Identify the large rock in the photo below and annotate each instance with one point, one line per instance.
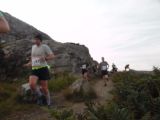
(77, 86)
(80, 90)
(17, 47)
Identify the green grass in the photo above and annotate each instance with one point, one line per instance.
(10, 94)
(61, 82)
(8, 100)
(63, 114)
(136, 97)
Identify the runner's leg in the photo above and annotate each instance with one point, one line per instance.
(33, 83)
(45, 90)
(86, 75)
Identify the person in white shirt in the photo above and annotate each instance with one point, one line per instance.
(40, 54)
(84, 69)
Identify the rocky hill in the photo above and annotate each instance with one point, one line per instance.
(16, 48)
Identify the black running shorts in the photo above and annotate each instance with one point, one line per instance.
(104, 72)
(84, 71)
(42, 73)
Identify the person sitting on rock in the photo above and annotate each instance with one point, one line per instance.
(104, 66)
(4, 26)
(127, 68)
(84, 69)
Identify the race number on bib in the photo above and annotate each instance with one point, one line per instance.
(84, 66)
(104, 67)
(36, 61)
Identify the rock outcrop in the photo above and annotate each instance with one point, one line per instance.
(16, 48)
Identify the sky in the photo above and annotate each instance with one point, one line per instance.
(123, 31)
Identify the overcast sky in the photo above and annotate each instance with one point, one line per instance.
(123, 31)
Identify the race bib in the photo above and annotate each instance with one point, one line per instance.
(84, 66)
(36, 61)
(104, 67)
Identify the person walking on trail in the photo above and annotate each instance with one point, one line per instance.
(4, 26)
(127, 68)
(114, 68)
(40, 54)
(104, 66)
(84, 68)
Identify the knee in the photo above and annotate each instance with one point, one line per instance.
(32, 84)
(44, 89)
(32, 81)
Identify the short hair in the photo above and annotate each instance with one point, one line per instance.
(39, 37)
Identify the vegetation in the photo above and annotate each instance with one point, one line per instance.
(10, 94)
(63, 114)
(8, 100)
(61, 81)
(82, 95)
(136, 97)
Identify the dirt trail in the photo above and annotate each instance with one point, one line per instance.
(103, 94)
(33, 114)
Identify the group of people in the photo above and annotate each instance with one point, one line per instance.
(102, 67)
(40, 54)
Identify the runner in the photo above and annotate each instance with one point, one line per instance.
(127, 67)
(114, 68)
(104, 70)
(4, 27)
(85, 70)
(41, 53)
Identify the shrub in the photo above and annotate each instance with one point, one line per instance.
(63, 114)
(61, 81)
(8, 100)
(136, 97)
(107, 112)
(138, 92)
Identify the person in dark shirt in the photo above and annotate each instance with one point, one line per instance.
(104, 66)
(114, 68)
(127, 68)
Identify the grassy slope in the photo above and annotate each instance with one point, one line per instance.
(10, 91)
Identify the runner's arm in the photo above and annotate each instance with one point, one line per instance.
(50, 57)
(107, 65)
(99, 66)
(29, 64)
(4, 26)
(49, 54)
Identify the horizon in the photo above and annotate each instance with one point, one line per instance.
(124, 32)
